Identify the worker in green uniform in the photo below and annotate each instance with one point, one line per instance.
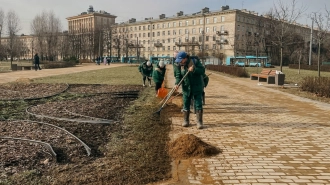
(192, 86)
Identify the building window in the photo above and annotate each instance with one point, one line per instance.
(144, 42)
(174, 40)
(164, 25)
(148, 48)
(206, 46)
(238, 27)
(180, 23)
(180, 32)
(174, 24)
(168, 40)
(187, 39)
(148, 41)
(200, 39)
(168, 47)
(207, 21)
(200, 30)
(153, 34)
(207, 38)
(223, 19)
(214, 28)
(174, 48)
(214, 20)
(193, 22)
(207, 29)
(187, 23)
(139, 34)
(149, 26)
(163, 41)
(186, 31)
(168, 25)
(214, 38)
(158, 33)
(148, 34)
(200, 21)
(214, 46)
(163, 33)
(222, 27)
(158, 26)
(144, 34)
(163, 48)
(193, 39)
(144, 27)
(193, 30)
(174, 32)
(168, 32)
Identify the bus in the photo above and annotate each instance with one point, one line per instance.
(166, 59)
(250, 61)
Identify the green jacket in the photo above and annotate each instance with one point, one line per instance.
(158, 74)
(146, 70)
(193, 83)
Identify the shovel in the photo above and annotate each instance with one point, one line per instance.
(170, 94)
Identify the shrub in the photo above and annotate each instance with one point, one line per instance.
(319, 86)
(231, 70)
(63, 64)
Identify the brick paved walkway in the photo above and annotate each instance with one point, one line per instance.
(267, 136)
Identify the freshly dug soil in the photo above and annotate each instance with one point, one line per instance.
(190, 146)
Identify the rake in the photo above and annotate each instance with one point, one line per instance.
(170, 94)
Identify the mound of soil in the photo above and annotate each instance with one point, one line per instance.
(190, 146)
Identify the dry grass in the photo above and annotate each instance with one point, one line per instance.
(127, 75)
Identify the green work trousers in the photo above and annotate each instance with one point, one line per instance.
(198, 101)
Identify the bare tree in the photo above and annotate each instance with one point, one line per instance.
(283, 17)
(13, 26)
(2, 20)
(46, 27)
(38, 28)
(322, 22)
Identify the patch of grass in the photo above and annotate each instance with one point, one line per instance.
(126, 75)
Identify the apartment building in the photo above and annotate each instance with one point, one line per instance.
(90, 21)
(216, 34)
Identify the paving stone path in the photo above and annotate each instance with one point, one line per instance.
(267, 136)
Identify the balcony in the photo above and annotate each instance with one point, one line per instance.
(222, 41)
(158, 45)
(191, 43)
(222, 32)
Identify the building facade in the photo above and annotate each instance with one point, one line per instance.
(216, 35)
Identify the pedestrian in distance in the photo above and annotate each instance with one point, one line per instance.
(105, 60)
(36, 62)
(108, 60)
(146, 69)
(192, 86)
(158, 75)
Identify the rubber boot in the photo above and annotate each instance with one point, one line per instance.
(185, 118)
(199, 115)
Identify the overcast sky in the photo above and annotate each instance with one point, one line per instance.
(140, 9)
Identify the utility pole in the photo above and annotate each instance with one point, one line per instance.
(203, 41)
(137, 49)
(310, 45)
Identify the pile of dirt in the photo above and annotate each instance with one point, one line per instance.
(189, 146)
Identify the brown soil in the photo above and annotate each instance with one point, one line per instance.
(190, 146)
